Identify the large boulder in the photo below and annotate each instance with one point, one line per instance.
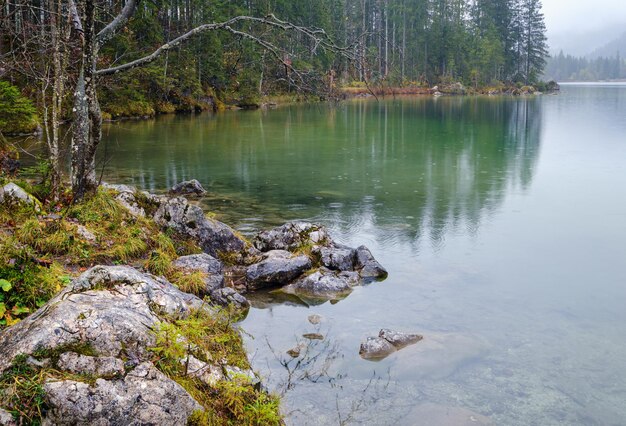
(323, 284)
(291, 236)
(278, 268)
(188, 187)
(15, 195)
(144, 396)
(215, 238)
(113, 309)
(208, 265)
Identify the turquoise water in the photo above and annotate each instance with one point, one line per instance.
(501, 221)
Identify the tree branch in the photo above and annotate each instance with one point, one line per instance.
(317, 35)
(120, 20)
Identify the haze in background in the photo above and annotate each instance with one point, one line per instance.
(582, 26)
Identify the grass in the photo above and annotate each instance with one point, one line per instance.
(212, 338)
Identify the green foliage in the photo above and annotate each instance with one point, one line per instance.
(211, 337)
(17, 113)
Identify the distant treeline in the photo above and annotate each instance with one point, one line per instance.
(393, 42)
(571, 68)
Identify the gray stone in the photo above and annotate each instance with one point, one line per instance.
(227, 296)
(103, 366)
(119, 188)
(188, 187)
(202, 262)
(399, 339)
(6, 418)
(338, 257)
(14, 194)
(1, 194)
(232, 372)
(323, 284)
(85, 233)
(313, 336)
(292, 235)
(376, 348)
(206, 264)
(113, 309)
(368, 267)
(278, 268)
(315, 319)
(206, 373)
(129, 202)
(144, 396)
(213, 236)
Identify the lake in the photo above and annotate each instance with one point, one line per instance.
(501, 221)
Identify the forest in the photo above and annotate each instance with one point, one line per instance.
(392, 42)
(571, 68)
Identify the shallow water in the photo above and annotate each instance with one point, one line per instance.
(501, 221)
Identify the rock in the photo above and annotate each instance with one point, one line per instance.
(6, 418)
(206, 373)
(453, 89)
(315, 319)
(278, 268)
(206, 264)
(14, 194)
(188, 187)
(129, 202)
(213, 236)
(119, 188)
(368, 267)
(232, 372)
(376, 348)
(227, 296)
(144, 396)
(552, 86)
(313, 336)
(291, 236)
(295, 351)
(340, 258)
(87, 310)
(1, 194)
(85, 233)
(399, 339)
(104, 366)
(323, 284)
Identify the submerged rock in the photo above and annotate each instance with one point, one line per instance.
(188, 187)
(399, 339)
(278, 268)
(313, 336)
(376, 348)
(315, 319)
(387, 342)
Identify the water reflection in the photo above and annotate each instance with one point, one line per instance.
(407, 168)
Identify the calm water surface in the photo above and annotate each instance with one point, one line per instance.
(502, 223)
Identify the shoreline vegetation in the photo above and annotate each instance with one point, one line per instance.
(126, 291)
(23, 121)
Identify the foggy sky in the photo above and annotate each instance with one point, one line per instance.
(579, 26)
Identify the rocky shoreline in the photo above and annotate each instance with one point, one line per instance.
(119, 345)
